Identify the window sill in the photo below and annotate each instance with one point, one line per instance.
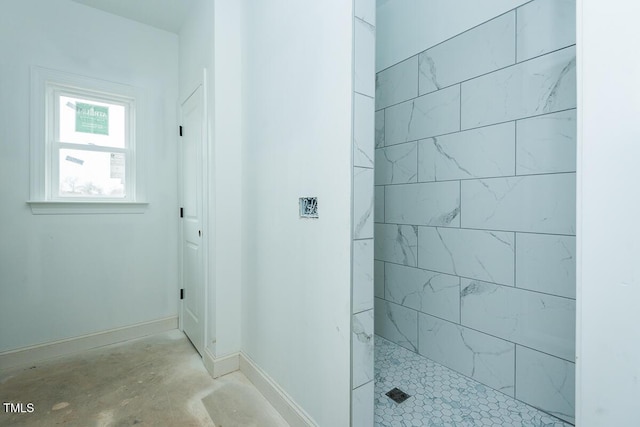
(86, 207)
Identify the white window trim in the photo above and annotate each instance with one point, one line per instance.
(41, 201)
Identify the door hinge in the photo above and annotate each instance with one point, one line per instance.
(182, 293)
(181, 212)
(180, 130)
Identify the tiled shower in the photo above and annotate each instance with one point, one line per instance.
(475, 194)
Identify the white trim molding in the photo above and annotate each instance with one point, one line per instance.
(221, 366)
(38, 353)
(74, 207)
(279, 399)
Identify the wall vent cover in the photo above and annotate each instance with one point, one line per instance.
(397, 395)
(308, 207)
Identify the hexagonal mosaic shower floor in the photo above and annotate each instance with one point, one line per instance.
(441, 397)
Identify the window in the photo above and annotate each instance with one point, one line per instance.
(85, 153)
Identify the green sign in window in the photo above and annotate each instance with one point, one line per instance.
(92, 119)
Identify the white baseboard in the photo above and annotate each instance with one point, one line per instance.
(279, 399)
(221, 366)
(38, 353)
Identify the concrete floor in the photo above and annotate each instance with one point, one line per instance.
(153, 381)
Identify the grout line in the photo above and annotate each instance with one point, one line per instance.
(460, 111)
(481, 178)
(459, 301)
(515, 370)
(480, 280)
(488, 230)
(515, 260)
(364, 94)
(460, 203)
(479, 331)
(479, 127)
(515, 37)
(483, 75)
(456, 35)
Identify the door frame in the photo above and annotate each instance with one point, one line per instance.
(201, 81)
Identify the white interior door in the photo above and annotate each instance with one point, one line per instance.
(192, 192)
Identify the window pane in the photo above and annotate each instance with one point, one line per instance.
(91, 122)
(91, 174)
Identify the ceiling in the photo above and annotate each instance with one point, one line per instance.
(164, 14)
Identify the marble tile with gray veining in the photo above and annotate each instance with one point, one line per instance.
(546, 382)
(543, 85)
(484, 358)
(483, 152)
(378, 278)
(433, 203)
(433, 293)
(378, 215)
(379, 126)
(545, 26)
(362, 203)
(546, 263)
(396, 243)
(433, 114)
(362, 406)
(362, 348)
(366, 10)
(547, 144)
(362, 283)
(397, 83)
(397, 164)
(539, 321)
(483, 49)
(364, 58)
(484, 255)
(397, 324)
(536, 204)
(363, 131)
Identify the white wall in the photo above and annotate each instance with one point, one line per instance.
(296, 273)
(211, 38)
(423, 25)
(63, 276)
(608, 372)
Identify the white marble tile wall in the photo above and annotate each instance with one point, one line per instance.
(397, 244)
(483, 49)
(545, 84)
(540, 321)
(482, 357)
(363, 268)
(477, 153)
(362, 281)
(363, 203)
(362, 405)
(546, 144)
(433, 203)
(429, 292)
(546, 382)
(545, 26)
(397, 164)
(433, 114)
(546, 263)
(396, 323)
(364, 53)
(363, 131)
(362, 330)
(478, 254)
(536, 204)
(475, 203)
(397, 84)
